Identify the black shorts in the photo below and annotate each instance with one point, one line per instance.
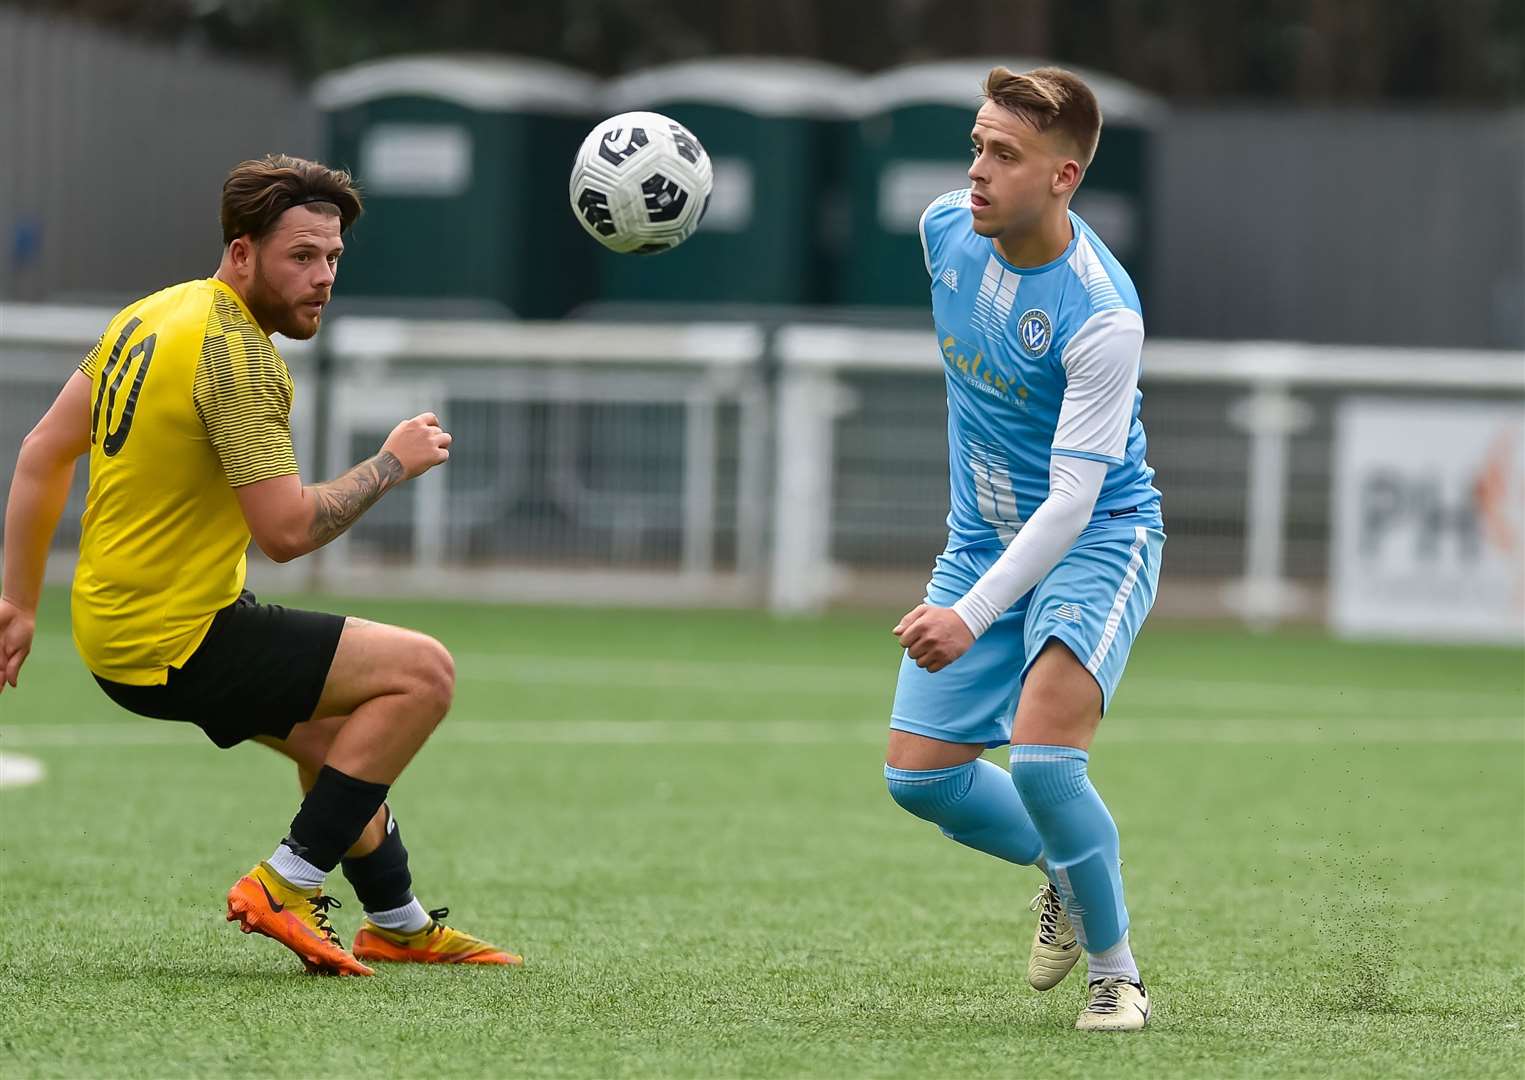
(260, 670)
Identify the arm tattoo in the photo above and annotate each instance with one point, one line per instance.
(340, 502)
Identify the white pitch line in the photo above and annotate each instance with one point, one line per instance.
(1266, 731)
(19, 771)
(826, 678)
(1139, 690)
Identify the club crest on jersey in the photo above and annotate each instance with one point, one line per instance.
(1035, 331)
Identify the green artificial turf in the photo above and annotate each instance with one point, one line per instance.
(680, 819)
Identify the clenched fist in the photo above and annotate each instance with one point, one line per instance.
(932, 636)
(418, 444)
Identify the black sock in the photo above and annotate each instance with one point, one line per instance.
(333, 815)
(381, 879)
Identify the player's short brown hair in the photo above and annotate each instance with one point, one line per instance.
(256, 193)
(1051, 99)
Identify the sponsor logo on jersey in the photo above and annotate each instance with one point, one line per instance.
(980, 374)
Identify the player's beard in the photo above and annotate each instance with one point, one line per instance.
(271, 310)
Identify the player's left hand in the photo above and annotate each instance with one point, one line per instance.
(17, 626)
(933, 636)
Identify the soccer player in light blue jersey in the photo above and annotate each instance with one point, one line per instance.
(1054, 535)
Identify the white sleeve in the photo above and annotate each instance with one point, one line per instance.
(1101, 364)
(1074, 484)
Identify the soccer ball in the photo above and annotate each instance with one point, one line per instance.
(640, 183)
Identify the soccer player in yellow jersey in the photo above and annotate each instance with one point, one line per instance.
(184, 408)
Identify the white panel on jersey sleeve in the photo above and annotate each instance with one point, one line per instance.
(1093, 275)
(1101, 364)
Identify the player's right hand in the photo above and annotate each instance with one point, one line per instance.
(419, 444)
(16, 629)
(933, 636)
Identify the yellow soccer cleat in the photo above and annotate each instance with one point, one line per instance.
(1114, 1005)
(263, 902)
(1055, 949)
(434, 944)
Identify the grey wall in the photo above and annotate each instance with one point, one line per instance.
(113, 152)
(1385, 227)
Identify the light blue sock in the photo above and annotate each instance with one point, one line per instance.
(1079, 839)
(973, 803)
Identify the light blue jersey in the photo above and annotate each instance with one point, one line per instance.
(1038, 362)
(1012, 341)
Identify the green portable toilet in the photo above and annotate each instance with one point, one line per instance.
(463, 165)
(911, 144)
(773, 129)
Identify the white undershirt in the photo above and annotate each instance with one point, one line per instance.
(1074, 484)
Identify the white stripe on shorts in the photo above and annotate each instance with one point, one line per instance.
(1115, 616)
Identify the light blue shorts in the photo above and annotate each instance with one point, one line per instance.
(1094, 601)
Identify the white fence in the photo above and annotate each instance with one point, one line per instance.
(1240, 434)
(596, 462)
(721, 464)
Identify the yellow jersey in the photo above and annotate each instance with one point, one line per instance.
(189, 400)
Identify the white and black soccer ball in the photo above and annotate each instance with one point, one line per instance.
(640, 183)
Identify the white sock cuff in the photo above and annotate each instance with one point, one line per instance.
(409, 918)
(1115, 963)
(295, 869)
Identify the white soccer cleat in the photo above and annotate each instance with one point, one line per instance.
(1055, 949)
(1115, 1005)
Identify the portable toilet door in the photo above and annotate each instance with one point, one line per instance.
(911, 144)
(772, 128)
(462, 164)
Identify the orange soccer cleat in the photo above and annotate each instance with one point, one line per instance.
(263, 902)
(434, 944)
